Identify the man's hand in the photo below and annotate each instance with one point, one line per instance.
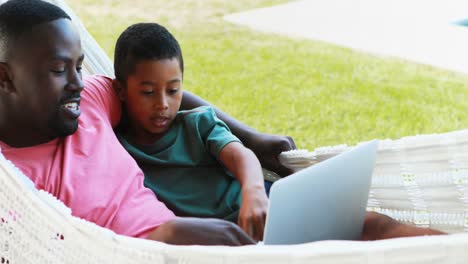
(267, 148)
(252, 214)
(197, 231)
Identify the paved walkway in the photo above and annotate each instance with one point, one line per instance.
(424, 31)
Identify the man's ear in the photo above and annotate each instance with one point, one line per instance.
(119, 89)
(6, 85)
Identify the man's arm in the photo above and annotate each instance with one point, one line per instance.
(266, 147)
(378, 226)
(197, 231)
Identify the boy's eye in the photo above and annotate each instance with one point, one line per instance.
(147, 92)
(173, 90)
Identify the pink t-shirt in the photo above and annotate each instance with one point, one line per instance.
(91, 172)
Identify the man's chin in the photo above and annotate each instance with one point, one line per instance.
(66, 129)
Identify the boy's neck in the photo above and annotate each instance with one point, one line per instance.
(144, 138)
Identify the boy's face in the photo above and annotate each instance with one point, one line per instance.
(152, 95)
(45, 68)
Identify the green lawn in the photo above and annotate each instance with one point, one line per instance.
(317, 93)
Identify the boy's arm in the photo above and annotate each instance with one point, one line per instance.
(266, 147)
(246, 168)
(197, 231)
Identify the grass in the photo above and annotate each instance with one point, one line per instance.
(318, 93)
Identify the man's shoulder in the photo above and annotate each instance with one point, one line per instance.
(100, 99)
(97, 82)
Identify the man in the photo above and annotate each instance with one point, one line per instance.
(57, 128)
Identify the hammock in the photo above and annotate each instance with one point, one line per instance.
(421, 180)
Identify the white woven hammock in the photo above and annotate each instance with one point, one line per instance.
(421, 180)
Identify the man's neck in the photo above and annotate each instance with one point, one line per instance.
(21, 138)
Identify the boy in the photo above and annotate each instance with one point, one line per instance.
(187, 156)
(58, 129)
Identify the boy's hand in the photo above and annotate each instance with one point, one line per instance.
(246, 168)
(197, 231)
(267, 148)
(252, 214)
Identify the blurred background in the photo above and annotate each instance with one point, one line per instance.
(319, 93)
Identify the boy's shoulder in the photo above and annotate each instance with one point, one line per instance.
(198, 112)
(202, 118)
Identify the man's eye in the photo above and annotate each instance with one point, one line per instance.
(147, 92)
(58, 71)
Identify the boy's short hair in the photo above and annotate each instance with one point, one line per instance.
(144, 41)
(19, 16)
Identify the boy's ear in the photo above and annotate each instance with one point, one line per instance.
(119, 89)
(6, 85)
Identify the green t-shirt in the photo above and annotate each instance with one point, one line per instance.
(183, 170)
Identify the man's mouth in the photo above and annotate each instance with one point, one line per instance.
(71, 108)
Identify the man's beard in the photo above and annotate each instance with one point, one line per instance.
(60, 128)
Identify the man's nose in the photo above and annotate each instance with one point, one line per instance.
(75, 82)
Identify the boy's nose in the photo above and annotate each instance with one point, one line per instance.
(161, 103)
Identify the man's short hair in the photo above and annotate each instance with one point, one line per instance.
(19, 16)
(144, 41)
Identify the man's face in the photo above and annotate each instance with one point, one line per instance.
(45, 67)
(152, 95)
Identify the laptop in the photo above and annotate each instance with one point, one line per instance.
(326, 201)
